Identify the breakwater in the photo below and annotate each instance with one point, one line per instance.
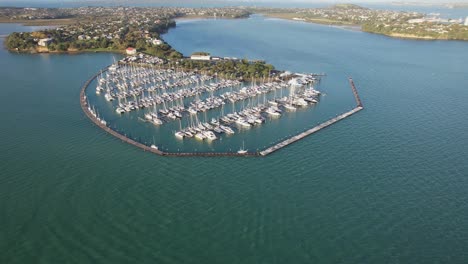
(306, 133)
(319, 127)
(153, 149)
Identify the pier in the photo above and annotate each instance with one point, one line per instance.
(319, 127)
(309, 132)
(155, 150)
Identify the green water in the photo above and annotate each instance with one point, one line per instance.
(387, 185)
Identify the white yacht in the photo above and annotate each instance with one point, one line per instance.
(289, 107)
(272, 112)
(242, 122)
(179, 134)
(227, 129)
(210, 135)
(242, 150)
(157, 121)
(108, 97)
(200, 136)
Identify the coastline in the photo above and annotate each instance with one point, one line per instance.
(39, 22)
(355, 27)
(69, 52)
(197, 17)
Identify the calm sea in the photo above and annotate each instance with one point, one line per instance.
(387, 185)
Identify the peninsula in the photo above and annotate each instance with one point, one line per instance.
(398, 24)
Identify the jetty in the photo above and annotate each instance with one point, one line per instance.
(309, 132)
(319, 127)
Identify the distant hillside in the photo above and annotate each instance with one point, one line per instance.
(347, 6)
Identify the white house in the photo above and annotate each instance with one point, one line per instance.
(44, 42)
(200, 57)
(466, 21)
(157, 42)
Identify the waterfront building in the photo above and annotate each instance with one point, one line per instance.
(466, 21)
(200, 57)
(131, 51)
(157, 42)
(44, 42)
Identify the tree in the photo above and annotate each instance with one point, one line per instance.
(141, 44)
(104, 43)
(175, 55)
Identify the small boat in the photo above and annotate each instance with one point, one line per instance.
(108, 97)
(242, 122)
(214, 122)
(273, 103)
(209, 135)
(157, 121)
(242, 150)
(272, 112)
(148, 116)
(179, 134)
(188, 134)
(200, 136)
(218, 130)
(227, 129)
(289, 107)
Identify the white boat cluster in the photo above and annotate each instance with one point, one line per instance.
(248, 117)
(95, 113)
(135, 88)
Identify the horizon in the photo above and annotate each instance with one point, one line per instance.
(235, 2)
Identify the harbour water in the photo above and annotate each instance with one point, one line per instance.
(386, 185)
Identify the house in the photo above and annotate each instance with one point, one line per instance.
(200, 57)
(131, 51)
(44, 42)
(157, 42)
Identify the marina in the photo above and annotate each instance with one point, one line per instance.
(387, 184)
(183, 96)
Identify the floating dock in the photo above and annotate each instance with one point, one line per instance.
(287, 142)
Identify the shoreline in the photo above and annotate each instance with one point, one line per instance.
(39, 22)
(68, 52)
(354, 27)
(195, 17)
